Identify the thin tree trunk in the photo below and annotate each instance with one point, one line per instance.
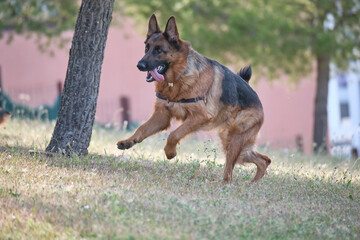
(73, 127)
(320, 115)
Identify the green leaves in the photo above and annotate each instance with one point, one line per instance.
(49, 17)
(282, 36)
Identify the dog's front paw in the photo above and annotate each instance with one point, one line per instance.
(125, 144)
(170, 152)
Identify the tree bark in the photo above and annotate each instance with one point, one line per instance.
(74, 124)
(320, 115)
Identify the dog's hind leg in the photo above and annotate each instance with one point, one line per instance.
(232, 144)
(238, 141)
(261, 161)
(248, 155)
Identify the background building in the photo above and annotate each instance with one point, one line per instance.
(344, 111)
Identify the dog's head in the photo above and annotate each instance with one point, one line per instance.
(161, 49)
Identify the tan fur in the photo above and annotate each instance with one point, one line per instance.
(4, 116)
(193, 76)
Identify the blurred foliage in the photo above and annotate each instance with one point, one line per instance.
(43, 17)
(282, 34)
(47, 18)
(50, 17)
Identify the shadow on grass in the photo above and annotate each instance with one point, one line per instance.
(196, 170)
(283, 194)
(14, 149)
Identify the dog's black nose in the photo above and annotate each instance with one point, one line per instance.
(142, 65)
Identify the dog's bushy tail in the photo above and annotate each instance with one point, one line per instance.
(245, 73)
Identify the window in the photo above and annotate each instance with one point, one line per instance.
(342, 81)
(344, 110)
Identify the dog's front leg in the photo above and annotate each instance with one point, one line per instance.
(159, 120)
(190, 125)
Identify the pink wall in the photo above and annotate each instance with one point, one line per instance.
(288, 111)
(120, 77)
(26, 70)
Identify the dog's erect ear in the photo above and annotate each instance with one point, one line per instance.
(171, 32)
(153, 26)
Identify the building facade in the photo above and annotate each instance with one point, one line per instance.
(344, 111)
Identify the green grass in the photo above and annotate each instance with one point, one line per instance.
(138, 194)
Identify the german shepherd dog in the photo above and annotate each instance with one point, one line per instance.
(204, 95)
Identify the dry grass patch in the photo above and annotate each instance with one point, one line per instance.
(137, 194)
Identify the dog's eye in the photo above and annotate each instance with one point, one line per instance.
(146, 49)
(157, 49)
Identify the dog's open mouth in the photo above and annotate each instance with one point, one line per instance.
(157, 73)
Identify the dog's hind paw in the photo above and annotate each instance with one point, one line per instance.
(170, 152)
(122, 145)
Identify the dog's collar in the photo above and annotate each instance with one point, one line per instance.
(189, 100)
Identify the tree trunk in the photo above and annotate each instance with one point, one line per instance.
(320, 115)
(74, 124)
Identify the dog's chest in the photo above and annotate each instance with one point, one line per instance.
(177, 110)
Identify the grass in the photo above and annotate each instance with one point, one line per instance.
(138, 194)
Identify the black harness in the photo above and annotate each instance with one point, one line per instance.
(189, 100)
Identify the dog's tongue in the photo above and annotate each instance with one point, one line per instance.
(158, 77)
